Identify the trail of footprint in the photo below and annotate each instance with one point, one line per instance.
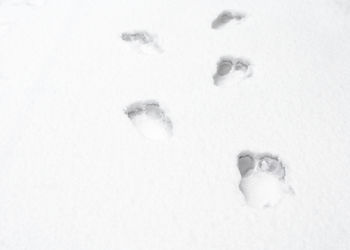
(263, 179)
(150, 119)
(225, 17)
(142, 41)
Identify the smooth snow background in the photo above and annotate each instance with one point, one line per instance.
(75, 174)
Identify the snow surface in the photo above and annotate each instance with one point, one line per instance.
(76, 174)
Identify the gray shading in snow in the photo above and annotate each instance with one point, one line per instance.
(263, 181)
(141, 37)
(231, 70)
(271, 164)
(143, 40)
(246, 163)
(261, 162)
(225, 17)
(150, 119)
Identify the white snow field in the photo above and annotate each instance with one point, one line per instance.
(77, 174)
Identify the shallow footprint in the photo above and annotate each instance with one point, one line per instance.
(263, 179)
(225, 17)
(230, 70)
(142, 40)
(150, 119)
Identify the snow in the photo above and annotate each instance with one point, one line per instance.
(263, 182)
(75, 174)
(150, 120)
(142, 41)
(225, 17)
(231, 71)
(261, 190)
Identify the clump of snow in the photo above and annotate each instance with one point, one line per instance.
(225, 17)
(263, 179)
(231, 70)
(142, 41)
(150, 119)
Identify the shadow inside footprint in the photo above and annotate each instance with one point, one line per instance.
(225, 17)
(262, 179)
(231, 70)
(150, 119)
(142, 40)
(271, 164)
(246, 162)
(141, 37)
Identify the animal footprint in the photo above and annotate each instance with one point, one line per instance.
(231, 70)
(225, 17)
(263, 179)
(142, 40)
(150, 119)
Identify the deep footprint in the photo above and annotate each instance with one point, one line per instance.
(150, 119)
(142, 40)
(263, 179)
(230, 70)
(225, 17)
